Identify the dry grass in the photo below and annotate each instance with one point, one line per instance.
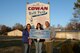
(13, 49)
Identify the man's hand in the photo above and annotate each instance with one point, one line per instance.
(52, 38)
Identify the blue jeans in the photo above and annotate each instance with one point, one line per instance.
(38, 47)
(26, 47)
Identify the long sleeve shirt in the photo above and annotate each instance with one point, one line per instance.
(52, 33)
(25, 36)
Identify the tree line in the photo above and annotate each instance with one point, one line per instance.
(5, 29)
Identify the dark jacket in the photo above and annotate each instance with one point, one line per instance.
(25, 36)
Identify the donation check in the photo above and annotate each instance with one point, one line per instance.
(41, 34)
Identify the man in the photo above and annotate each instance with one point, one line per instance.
(49, 42)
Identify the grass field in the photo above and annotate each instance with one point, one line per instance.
(60, 46)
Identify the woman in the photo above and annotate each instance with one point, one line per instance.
(38, 45)
(25, 39)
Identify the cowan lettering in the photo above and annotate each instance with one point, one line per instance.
(37, 8)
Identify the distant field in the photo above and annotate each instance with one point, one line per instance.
(7, 38)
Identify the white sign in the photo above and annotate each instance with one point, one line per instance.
(39, 34)
(37, 13)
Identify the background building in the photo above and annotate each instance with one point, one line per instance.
(15, 33)
(68, 34)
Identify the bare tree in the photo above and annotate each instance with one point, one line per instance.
(75, 21)
(18, 26)
(4, 29)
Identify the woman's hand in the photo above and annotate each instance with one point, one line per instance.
(29, 38)
(30, 41)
